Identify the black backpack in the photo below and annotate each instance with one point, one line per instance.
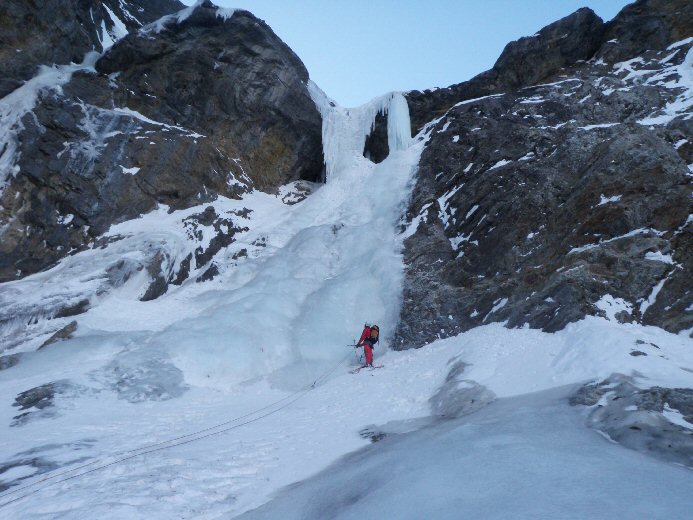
(375, 332)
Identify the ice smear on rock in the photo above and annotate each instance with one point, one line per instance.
(22, 101)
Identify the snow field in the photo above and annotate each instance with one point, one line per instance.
(526, 457)
(242, 468)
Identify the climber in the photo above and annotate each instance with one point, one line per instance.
(369, 337)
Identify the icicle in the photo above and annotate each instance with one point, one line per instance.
(398, 123)
(344, 130)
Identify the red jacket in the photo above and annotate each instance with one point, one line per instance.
(365, 337)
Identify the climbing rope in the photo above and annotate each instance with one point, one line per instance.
(169, 443)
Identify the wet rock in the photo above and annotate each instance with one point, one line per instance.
(372, 435)
(65, 333)
(73, 309)
(159, 283)
(642, 419)
(38, 402)
(209, 274)
(376, 148)
(9, 361)
(458, 396)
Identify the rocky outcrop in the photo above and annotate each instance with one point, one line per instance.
(656, 420)
(458, 396)
(46, 32)
(38, 402)
(542, 204)
(646, 25)
(65, 333)
(206, 103)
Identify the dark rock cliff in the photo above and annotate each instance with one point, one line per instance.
(540, 203)
(43, 32)
(175, 113)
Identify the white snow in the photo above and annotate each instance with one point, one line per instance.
(533, 100)
(65, 219)
(445, 213)
(225, 12)
(497, 305)
(602, 125)
(414, 225)
(683, 103)
(676, 417)
(606, 200)
(137, 115)
(652, 298)
(612, 306)
(127, 13)
(252, 461)
(179, 17)
(17, 472)
(130, 171)
(658, 256)
(524, 458)
(499, 164)
(634, 232)
(118, 31)
(474, 100)
(680, 43)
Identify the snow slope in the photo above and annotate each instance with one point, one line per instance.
(540, 439)
(526, 457)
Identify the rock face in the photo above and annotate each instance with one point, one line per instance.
(45, 32)
(655, 420)
(540, 203)
(204, 103)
